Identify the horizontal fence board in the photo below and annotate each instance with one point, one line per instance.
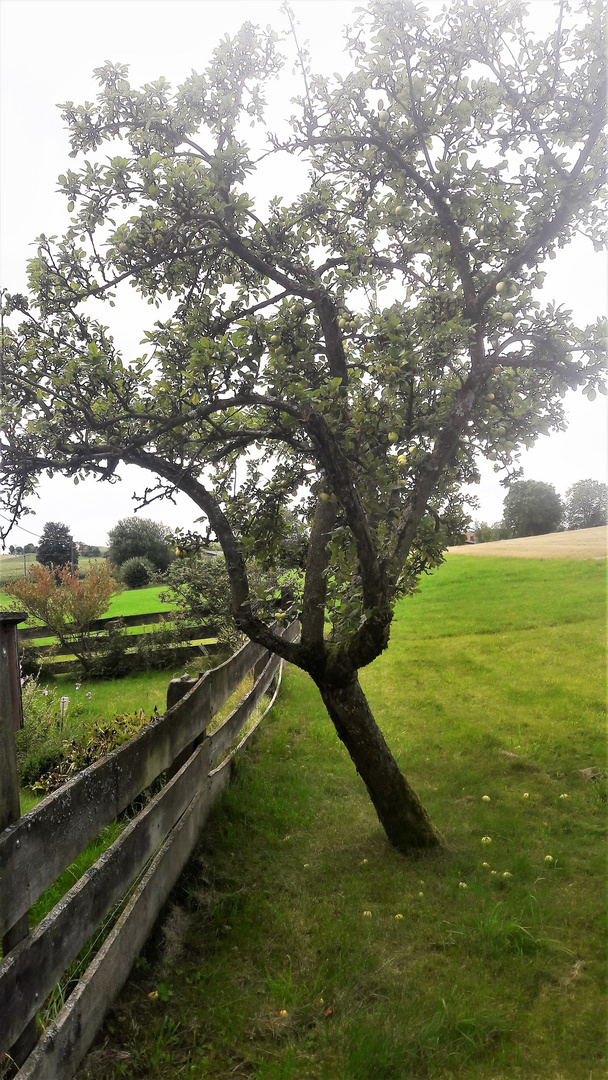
(221, 739)
(228, 762)
(217, 685)
(290, 633)
(38, 847)
(30, 971)
(66, 1041)
(148, 619)
(179, 653)
(195, 632)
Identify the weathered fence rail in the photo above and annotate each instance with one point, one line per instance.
(37, 848)
(149, 619)
(51, 662)
(132, 639)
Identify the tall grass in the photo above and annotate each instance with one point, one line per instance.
(299, 944)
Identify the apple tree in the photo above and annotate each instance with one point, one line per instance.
(344, 354)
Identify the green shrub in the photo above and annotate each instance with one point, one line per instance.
(200, 589)
(157, 649)
(40, 744)
(79, 754)
(136, 572)
(110, 659)
(30, 658)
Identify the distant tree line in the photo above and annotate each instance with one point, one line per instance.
(56, 547)
(532, 508)
(27, 549)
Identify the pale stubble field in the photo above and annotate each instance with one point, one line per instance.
(579, 544)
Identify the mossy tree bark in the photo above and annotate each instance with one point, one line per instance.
(402, 815)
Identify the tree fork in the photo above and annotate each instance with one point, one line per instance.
(400, 812)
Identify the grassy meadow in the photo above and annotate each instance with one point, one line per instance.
(11, 566)
(128, 602)
(299, 945)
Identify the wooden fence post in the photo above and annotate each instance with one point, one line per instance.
(11, 720)
(177, 689)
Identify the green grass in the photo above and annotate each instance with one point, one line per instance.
(131, 693)
(493, 685)
(138, 602)
(11, 567)
(129, 602)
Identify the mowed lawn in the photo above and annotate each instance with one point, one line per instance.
(299, 944)
(128, 602)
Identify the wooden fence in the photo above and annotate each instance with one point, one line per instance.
(143, 864)
(50, 663)
(27, 632)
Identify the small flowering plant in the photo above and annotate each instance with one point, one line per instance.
(39, 744)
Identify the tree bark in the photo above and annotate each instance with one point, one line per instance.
(401, 814)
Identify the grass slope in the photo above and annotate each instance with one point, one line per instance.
(573, 544)
(138, 602)
(129, 602)
(299, 945)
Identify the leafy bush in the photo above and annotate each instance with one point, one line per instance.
(157, 649)
(30, 658)
(485, 534)
(119, 653)
(200, 587)
(78, 754)
(110, 658)
(66, 604)
(136, 572)
(142, 538)
(40, 744)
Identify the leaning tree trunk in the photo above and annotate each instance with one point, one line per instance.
(399, 809)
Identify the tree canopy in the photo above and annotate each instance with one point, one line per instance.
(587, 504)
(139, 537)
(532, 508)
(57, 547)
(346, 354)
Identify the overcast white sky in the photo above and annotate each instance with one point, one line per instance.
(49, 49)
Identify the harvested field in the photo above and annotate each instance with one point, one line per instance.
(579, 544)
